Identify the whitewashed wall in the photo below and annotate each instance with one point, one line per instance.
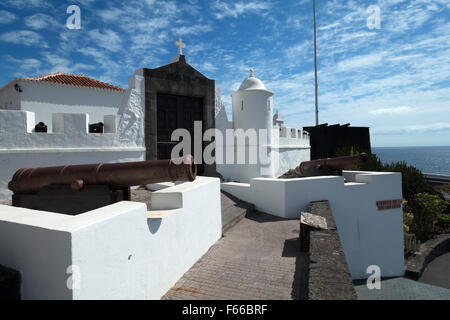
(368, 236)
(293, 147)
(70, 143)
(45, 98)
(222, 124)
(9, 97)
(119, 251)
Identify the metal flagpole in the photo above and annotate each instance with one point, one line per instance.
(315, 64)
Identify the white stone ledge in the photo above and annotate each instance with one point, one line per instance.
(287, 146)
(74, 150)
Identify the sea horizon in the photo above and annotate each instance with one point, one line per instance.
(436, 146)
(436, 160)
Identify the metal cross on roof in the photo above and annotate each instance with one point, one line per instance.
(180, 46)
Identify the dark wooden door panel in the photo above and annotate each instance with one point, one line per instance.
(175, 112)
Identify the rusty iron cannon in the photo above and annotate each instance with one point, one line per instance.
(73, 189)
(331, 166)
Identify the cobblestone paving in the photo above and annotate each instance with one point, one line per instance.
(258, 258)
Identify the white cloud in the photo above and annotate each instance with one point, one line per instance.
(143, 41)
(25, 67)
(236, 9)
(358, 62)
(329, 26)
(7, 17)
(391, 111)
(85, 2)
(195, 48)
(423, 128)
(24, 4)
(92, 52)
(30, 64)
(407, 19)
(40, 21)
(208, 66)
(23, 37)
(405, 57)
(299, 51)
(111, 14)
(58, 63)
(108, 40)
(196, 29)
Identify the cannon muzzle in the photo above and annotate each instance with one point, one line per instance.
(115, 175)
(338, 164)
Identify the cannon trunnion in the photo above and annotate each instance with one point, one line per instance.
(74, 189)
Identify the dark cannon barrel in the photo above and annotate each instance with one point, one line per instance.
(116, 175)
(339, 163)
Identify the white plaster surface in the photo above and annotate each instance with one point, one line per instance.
(368, 236)
(121, 251)
(9, 98)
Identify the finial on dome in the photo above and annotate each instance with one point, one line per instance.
(252, 73)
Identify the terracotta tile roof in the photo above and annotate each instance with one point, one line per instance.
(76, 80)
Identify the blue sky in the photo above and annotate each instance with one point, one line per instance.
(394, 79)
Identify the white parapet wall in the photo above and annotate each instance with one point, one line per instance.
(70, 143)
(121, 251)
(293, 147)
(368, 236)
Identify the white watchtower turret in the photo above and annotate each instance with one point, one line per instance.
(252, 106)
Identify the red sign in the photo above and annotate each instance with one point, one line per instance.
(389, 204)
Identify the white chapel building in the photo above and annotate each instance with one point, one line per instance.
(61, 93)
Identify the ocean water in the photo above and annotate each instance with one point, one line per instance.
(426, 159)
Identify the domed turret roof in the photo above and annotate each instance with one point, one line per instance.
(252, 83)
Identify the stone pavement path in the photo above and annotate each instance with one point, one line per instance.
(259, 258)
(401, 289)
(438, 272)
(233, 210)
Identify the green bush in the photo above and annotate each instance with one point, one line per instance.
(413, 181)
(372, 164)
(408, 218)
(426, 209)
(443, 223)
